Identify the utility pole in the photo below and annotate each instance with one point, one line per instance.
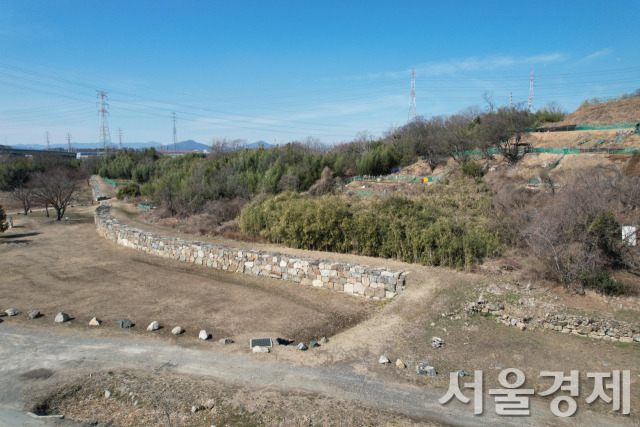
(69, 142)
(175, 134)
(47, 135)
(530, 105)
(105, 136)
(412, 99)
(119, 139)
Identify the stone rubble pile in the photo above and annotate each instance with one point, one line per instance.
(606, 330)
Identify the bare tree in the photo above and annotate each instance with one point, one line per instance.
(221, 146)
(56, 188)
(24, 194)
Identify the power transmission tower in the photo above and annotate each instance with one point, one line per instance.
(175, 134)
(412, 100)
(47, 135)
(530, 104)
(69, 142)
(105, 136)
(119, 139)
(511, 100)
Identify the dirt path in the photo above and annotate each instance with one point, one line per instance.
(25, 350)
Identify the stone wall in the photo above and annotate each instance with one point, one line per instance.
(95, 187)
(353, 279)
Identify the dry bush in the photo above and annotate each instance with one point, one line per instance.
(574, 232)
(325, 184)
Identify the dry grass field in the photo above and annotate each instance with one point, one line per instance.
(65, 266)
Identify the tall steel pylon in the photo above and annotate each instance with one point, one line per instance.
(46, 134)
(412, 100)
(119, 139)
(103, 109)
(530, 104)
(175, 134)
(69, 142)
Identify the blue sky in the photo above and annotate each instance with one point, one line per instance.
(285, 71)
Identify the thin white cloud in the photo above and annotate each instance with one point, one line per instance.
(472, 63)
(594, 55)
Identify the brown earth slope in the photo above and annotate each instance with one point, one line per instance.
(623, 110)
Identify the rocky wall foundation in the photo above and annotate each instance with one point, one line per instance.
(353, 279)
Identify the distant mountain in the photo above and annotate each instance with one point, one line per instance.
(259, 144)
(189, 145)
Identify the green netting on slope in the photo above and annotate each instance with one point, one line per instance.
(111, 182)
(568, 128)
(605, 99)
(623, 125)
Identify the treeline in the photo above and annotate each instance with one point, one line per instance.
(17, 171)
(450, 225)
(184, 184)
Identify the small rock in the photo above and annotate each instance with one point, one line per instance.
(12, 312)
(420, 369)
(383, 359)
(437, 342)
(462, 373)
(203, 335)
(107, 394)
(61, 317)
(153, 326)
(177, 330)
(302, 346)
(258, 349)
(125, 323)
(94, 322)
(194, 409)
(34, 314)
(313, 344)
(210, 404)
(400, 364)
(225, 341)
(431, 370)
(324, 340)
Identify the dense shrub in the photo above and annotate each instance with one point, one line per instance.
(472, 169)
(550, 113)
(603, 283)
(3, 219)
(448, 227)
(129, 190)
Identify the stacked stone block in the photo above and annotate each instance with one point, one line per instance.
(360, 280)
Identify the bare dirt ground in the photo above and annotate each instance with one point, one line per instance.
(66, 266)
(624, 110)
